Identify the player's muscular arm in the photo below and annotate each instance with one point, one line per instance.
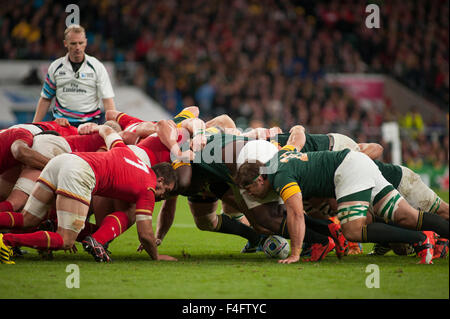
(296, 227)
(41, 109)
(373, 150)
(167, 132)
(145, 129)
(109, 135)
(24, 154)
(109, 104)
(111, 115)
(147, 238)
(297, 137)
(165, 218)
(197, 129)
(193, 109)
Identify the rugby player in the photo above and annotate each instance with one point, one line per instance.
(72, 179)
(356, 182)
(213, 181)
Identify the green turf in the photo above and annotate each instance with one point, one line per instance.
(210, 266)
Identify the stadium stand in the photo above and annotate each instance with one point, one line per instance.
(263, 62)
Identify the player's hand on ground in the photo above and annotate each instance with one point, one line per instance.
(291, 259)
(141, 248)
(88, 128)
(167, 258)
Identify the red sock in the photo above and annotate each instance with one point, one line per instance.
(38, 240)
(6, 206)
(11, 220)
(112, 226)
(88, 229)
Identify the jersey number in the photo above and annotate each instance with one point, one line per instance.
(141, 165)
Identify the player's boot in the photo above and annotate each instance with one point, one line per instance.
(18, 252)
(379, 250)
(354, 248)
(306, 250)
(341, 243)
(425, 249)
(440, 248)
(96, 249)
(6, 253)
(252, 248)
(319, 251)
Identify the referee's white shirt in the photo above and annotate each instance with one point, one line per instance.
(77, 94)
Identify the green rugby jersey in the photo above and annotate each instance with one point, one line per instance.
(314, 142)
(392, 173)
(209, 161)
(183, 115)
(310, 173)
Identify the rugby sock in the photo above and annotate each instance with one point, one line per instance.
(311, 237)
(11, 220)
(38, 240)
(227, 225)
(318, 225)
(384, 233)
(433, 222)
(112, 226)
(6, 206)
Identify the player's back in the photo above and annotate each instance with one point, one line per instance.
(313, 171)
(85, 143)
(120, 173)
(159, 153)
(53, 126)
(313, 142)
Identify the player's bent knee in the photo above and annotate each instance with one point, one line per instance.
(206, 223)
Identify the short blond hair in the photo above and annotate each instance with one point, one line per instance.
(73, 28)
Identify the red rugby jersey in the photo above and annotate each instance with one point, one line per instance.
(53, 126)
(7, 138)
(120, 174)
(86, 143)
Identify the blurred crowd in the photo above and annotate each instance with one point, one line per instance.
(261, 62)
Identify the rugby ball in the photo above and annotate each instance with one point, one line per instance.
(276, 247)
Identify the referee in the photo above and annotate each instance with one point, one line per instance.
(78, 82)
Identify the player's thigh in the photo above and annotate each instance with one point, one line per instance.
(37, 205)
(101, 206)
(342, 142)
(352, 216)
(7, 181)
(204, 212)
(72, 215)
(392, 206)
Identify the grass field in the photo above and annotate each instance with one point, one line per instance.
(211, 267)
